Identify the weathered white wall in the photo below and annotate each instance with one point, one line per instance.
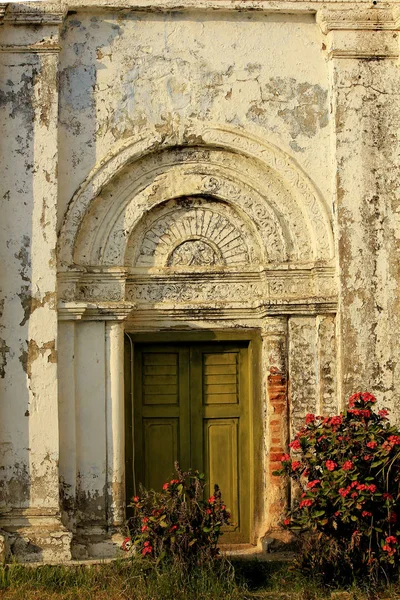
(288, 118)
(119, 74)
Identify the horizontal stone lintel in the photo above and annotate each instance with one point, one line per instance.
(334, 14)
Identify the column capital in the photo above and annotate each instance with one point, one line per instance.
(34, 13)
(94, 311)
(358, 32)
(32, 28)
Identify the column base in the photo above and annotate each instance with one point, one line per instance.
(97, 543)
(36, 538)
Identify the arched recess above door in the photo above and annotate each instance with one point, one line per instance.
(216, 202)
(260, 181)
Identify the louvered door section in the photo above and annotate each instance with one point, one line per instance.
(221, 436)
(161, 412)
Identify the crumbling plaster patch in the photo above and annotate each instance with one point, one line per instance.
(129, 71)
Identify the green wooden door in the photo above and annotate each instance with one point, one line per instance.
(191, 404)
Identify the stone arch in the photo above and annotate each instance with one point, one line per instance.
(193, 231)
(256, 180)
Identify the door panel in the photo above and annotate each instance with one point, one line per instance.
(191, 404)
(161, 457)
(221, 462)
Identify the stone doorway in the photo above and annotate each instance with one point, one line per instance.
(195, 401)
(227, 236)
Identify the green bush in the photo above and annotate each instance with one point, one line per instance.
(177, 522)
(348, 471)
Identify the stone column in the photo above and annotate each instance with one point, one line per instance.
(275, 367)
(92, 405)
(29, 440)
(115, 418)
(362, 49)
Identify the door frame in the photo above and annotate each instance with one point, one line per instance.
(253, 337)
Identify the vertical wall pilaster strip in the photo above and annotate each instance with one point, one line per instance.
(115, 423)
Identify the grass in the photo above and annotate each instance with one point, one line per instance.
(138, 580)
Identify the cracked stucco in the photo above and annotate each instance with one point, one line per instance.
(181, 78)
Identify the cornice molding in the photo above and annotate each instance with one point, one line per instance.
(263, 6)
(34, 13)
(360, 33)
(94, 311)
(356, 19)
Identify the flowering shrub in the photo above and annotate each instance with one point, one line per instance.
(177, 522)
(348, 471)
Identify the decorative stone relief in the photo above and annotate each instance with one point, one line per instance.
(244, 171)
(192, 232)
(195, 253)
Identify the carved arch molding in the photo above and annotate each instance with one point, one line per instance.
(226, 224)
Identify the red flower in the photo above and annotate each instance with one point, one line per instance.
(366, 513)
(307, 502)
(165, 486)
(387, 496)
(174, 528)
(389, 549)
(368, 457)
(336, 420)
(367, 397)
(354, 398)
(337, 513)
(145, 519)
(330, 465)
(211, 500)
(394, 440)
(295, 465)
(285, 457)
(372, 444)
(310, 418)
(147, 550)
(126, 544)
(312, 484)
(392, 517)
(361, 397)
(136, 498)
(354, 495)
(391, 539)
(360, 412)
(295, 445)
(372, 488)
(383, 413)
(144, 528)
(343, 492)
(208, 511)
(347, 466)
(286, 522)
(361, 486)
(173, 481)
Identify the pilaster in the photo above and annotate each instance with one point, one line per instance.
(29, 503)
(362, 45)
(275, 341)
